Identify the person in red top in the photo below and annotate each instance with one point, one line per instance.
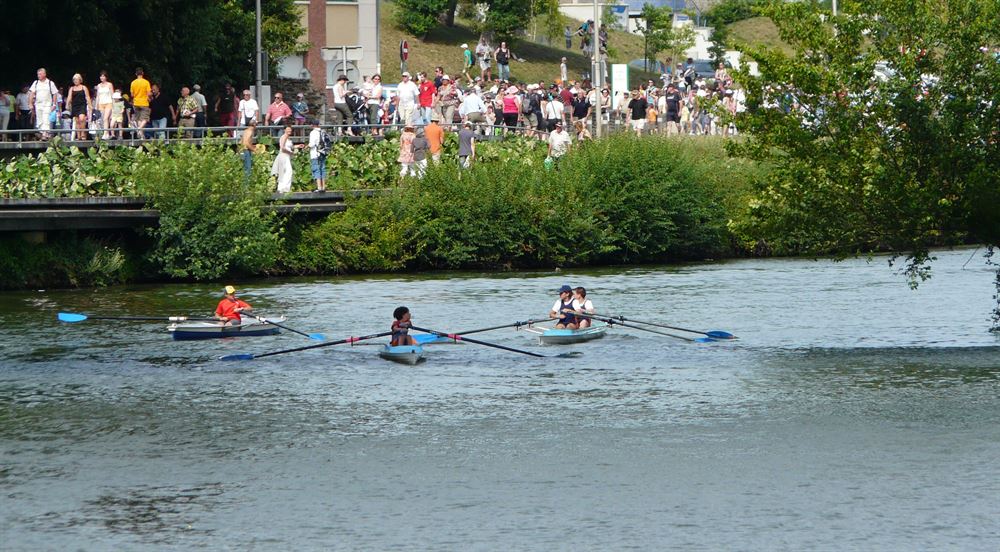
(230, 307)
(426, 90)
(401, 328)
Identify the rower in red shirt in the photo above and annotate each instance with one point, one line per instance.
(230, 307)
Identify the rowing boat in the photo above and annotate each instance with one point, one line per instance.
(563, 336)
(248, 327)
(403, 354)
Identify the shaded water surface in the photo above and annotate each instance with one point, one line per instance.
(852, 413)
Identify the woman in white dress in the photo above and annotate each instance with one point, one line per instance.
(282, 167)
(105, 89)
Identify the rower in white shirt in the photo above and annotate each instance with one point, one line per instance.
(584, 305)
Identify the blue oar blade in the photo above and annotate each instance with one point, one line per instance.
(704, 340)
(424, 339)
(317, 337)
(719, 334)
(241, 356)
(71, 317)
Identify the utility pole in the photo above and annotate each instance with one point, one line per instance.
(258, 55)
(595, 72)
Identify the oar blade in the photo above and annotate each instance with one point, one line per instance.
(719, 334)
(704, 340)
(317, 337)
(71, 317)
(241, 356)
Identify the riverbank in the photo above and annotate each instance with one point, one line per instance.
(617, 200)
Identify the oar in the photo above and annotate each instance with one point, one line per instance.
(458, 337)
(313, 336)
(620, 323)
(250, 356)
(433, 336)
(717, 334)
(75, 317)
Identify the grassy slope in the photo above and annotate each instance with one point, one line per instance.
(758, 31)
(441, 47)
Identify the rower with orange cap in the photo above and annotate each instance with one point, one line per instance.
(230, 307)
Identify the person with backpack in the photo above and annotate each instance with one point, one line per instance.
(319, 148)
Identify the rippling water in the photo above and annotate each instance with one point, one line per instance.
(852, 413)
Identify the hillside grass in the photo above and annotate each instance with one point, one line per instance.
(758, 31)
(442, 47)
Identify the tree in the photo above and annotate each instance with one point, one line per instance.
(661, 35)
(882, 128)
(421, 16)
(175, 41)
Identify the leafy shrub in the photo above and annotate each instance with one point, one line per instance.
(64, 260)
(212, 221)
(62, 171)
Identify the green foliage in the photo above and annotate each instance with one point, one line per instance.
(64, 260)
(212, 221)
(728, 12)
(660, 34)
(614, 201)
(901, 162)
(62, 171)
(420, 16)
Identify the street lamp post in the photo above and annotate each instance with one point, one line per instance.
(257, 62)
(595, 73)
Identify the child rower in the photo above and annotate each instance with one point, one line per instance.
(401, 327)
(582, 304)
(230, 307)
(563, 309)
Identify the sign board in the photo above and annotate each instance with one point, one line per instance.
(619, 82)
(404, 50)
(342, 53)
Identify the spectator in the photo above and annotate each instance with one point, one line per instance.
(23, 113)
(187, 108)
(582, 134)
(117, 114)
(554, 112)
(200, 121)
(559, 142)
(531, 105)
(427, 90)
(407, 95)
(6, 105)
(140, 99)
(79, 103)
(420, 147)
(247, 109)
(563, 70)
(342, 112)
(160, 111)
(405, 158)
(503, 56)
(435, 137)
(511, 108)
(581, 107)
(105, 89)
(568, 34)
(438, 73)
(448, 100)
(672, 110)
(485, 54)
(637, 110)
(472, 109)
(225, 106)
(42, 97)
(317, 155)
(467, 62)
(466, 145)
(249, 147)
(279, 112)
(300, 109)
(374, 103)
(282, 166)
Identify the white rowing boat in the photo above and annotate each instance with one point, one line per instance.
(403, 354)
(248, 327)
(563, 336)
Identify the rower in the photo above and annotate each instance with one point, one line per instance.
(401, 328)
(563, 309)
(230, 307)
(582, 304)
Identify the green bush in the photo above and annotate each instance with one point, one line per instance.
(64, 260)
(212, 217)
(62, 171)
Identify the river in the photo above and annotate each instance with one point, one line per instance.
(852, 414)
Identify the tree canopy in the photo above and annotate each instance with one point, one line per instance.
(175, 41)
(882, 128)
